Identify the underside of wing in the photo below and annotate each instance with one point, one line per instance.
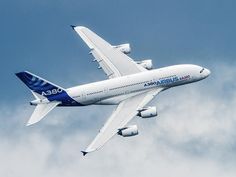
(124, 112)
(113, 62)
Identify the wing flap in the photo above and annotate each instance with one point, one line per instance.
(110, 70)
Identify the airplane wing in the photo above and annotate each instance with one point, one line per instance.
(113, 62)
(124, 112)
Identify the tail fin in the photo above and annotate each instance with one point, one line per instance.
(40, 86)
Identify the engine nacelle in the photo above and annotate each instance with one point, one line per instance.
(131, 130)
(124, 48)
(148, 112)
(147, 64)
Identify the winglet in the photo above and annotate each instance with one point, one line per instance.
(73, 27)
(84, 153)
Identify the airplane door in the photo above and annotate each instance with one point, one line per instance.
(105, 91)
(83, 96)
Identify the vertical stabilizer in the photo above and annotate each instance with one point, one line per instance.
(40, 86)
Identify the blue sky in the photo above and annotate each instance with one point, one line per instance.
(35, 35)
(196, 124)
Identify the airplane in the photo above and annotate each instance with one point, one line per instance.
(131, 85)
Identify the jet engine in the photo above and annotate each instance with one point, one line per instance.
(131, 130)
(124, 48)
(148, 112)
(147, 64)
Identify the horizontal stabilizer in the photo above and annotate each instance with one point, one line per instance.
(41, 111)
(37, 96)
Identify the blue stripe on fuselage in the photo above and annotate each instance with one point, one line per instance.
(65, 99)
(46, 89)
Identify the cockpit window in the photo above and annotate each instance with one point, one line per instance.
(202, 70)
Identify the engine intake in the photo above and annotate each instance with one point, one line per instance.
(131, 130)
(147, 64)
(124, 48)
(148, 112)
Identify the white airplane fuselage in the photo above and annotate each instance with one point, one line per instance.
(113, 91)
(132, 85)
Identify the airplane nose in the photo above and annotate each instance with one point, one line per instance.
(207, 72)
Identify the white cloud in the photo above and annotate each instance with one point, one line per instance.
(194, 135)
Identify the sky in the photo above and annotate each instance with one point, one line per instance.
(195, 131)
